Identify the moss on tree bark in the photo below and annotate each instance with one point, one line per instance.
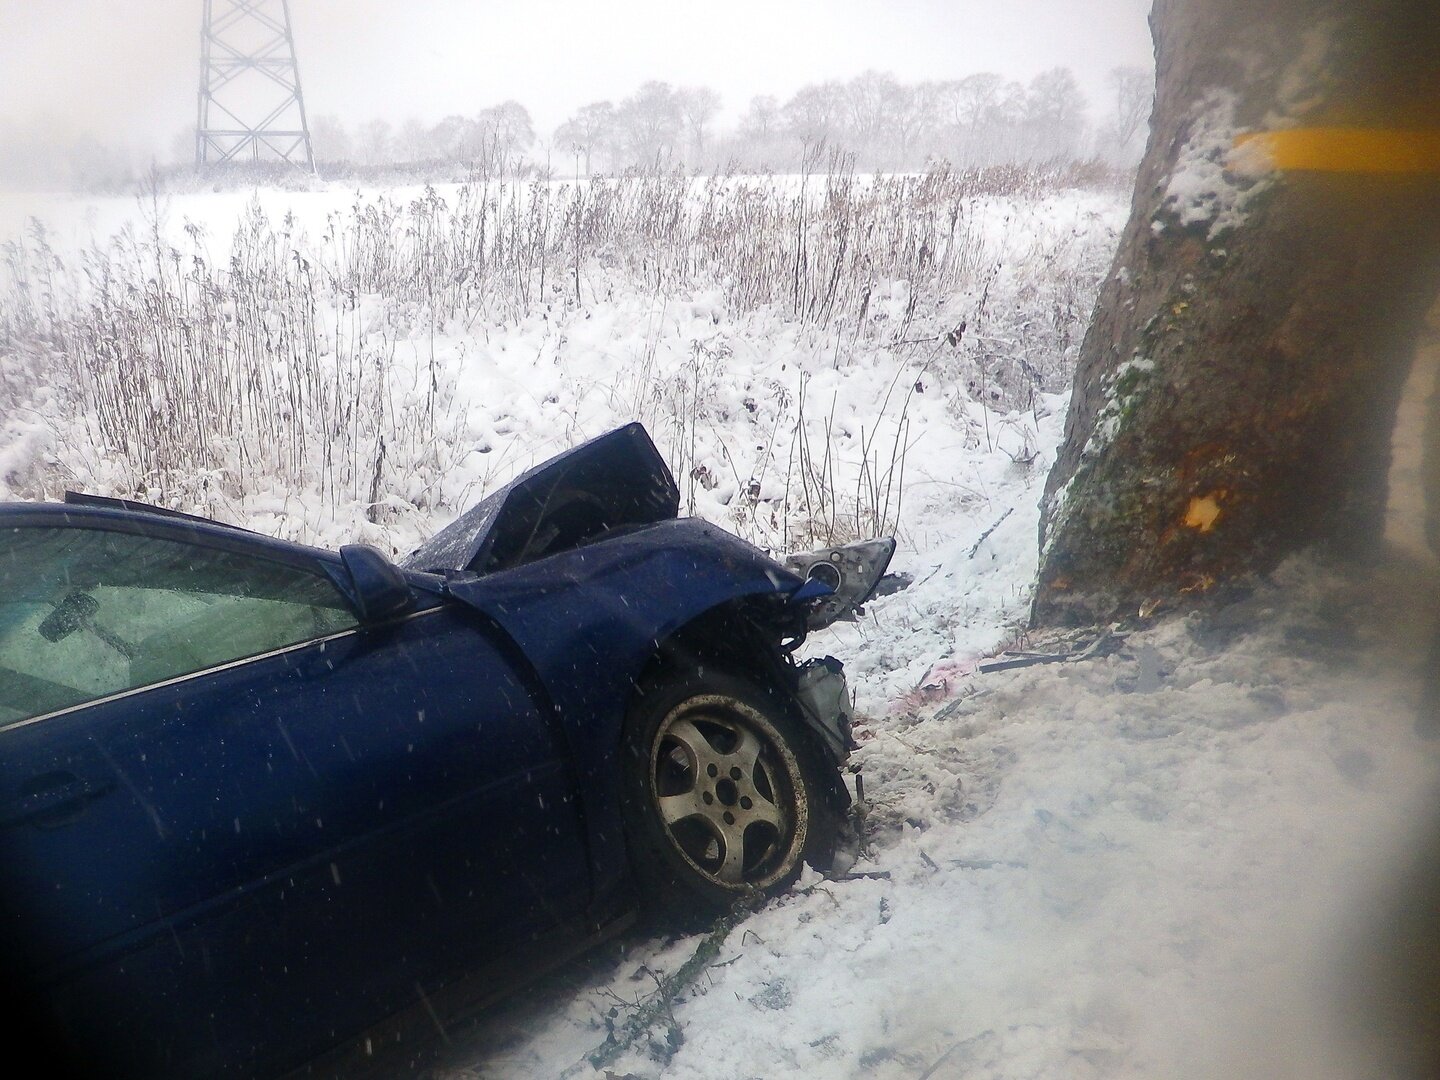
(1237, 386)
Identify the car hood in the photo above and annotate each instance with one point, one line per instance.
(615, 481)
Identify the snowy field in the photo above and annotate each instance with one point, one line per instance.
(1159, 860)
(326, 366)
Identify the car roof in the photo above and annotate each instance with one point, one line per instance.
(80, 498)
(94, 511)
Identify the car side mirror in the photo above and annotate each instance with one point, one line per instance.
(381, 591)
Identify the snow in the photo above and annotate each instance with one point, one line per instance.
(1155, 863)
(789, 435)
(1218, 174)
(1159, 860)
(1204, 188)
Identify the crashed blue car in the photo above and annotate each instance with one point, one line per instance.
(263, 804)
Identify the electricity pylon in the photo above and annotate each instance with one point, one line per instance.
(250, 103)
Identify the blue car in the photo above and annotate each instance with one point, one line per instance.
(263, 804)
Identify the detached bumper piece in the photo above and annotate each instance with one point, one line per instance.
(824, 697)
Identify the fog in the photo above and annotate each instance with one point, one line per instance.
(92, 89)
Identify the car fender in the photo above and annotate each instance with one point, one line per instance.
(590, 620)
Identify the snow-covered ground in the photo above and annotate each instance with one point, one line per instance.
(1163, 862)
(1160, 860)
(1172, 858)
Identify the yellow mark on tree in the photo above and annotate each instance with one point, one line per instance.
(1204, 511)
(1337, 150)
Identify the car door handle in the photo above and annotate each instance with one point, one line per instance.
(53, 799)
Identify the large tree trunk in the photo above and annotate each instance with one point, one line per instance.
(1237, 387)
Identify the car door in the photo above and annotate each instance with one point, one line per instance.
(235, 825)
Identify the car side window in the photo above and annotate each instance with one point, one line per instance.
(85, 613)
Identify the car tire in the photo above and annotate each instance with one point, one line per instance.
(725, 793)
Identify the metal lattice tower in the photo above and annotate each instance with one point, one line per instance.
(250, 103)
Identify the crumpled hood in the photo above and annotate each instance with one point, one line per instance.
(614, 481)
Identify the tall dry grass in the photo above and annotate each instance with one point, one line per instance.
(276, 369)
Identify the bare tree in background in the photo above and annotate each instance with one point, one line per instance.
(760, 136)
(1055, 113)
(650, 123)
(815, 114)
(873, 119)
(698, 106)
(458, 138)
(762, 119)
(873, 102)
(505, 131)
(919, 114)
(977, 114)
(592, 130)
(976, 99)
(1237, 387)
(1134, 89)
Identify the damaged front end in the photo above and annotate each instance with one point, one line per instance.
(825, 703)
(849, 574)
(838, 582)
(593, 536)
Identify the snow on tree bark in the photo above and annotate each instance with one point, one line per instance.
(1237, 386)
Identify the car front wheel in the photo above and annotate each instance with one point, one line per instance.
(726, 793)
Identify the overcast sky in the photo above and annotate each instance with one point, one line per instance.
(132, 67)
